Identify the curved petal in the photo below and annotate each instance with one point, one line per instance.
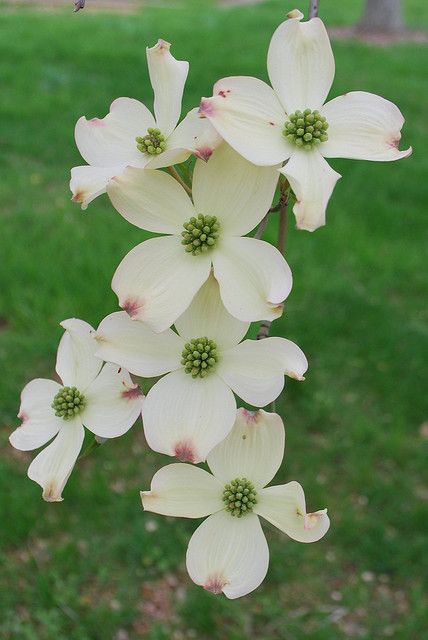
(255, 369)
(52, 467)
(284, 506)
(131, 344)
(247, 113)
(312, 180)
(363, 126)
(207, 316)
(238, 192)
(301, 64)
(254, 278)
(39, 422)
(113, 402)
(228, 554)
(168, 77)
(253, 449)
(76, 362)
(187, 417)
(183, 490)
(196, 135)
(87, 183)
(111, 141)
(157, 280)
(151, 200)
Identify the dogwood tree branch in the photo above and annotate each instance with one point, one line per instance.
(313, 9)
(79, 4)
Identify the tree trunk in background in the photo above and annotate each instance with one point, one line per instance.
(382, 15)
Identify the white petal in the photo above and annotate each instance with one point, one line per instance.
(52, 467)
(76, 363)
(183, 490)
(255, 369)
(238, 192)
(301, 64)
(284, 506)
(312, 180)
(113, 402)
(157, 280)
(247, 113)
(39, 422)
(207, 316)
(187, 417)
(168, 77)
(131, 344)
(195, 134)
(228, 554)
(151, 200)
(87, 183)
(363, 126)
(254, 278)
(111, 141)
(253, 449)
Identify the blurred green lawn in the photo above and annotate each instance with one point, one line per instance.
(95, 567)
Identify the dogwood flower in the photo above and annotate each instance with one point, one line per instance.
(103, 398)
(157, 280)
(291, 122)
(192, 408)
(228, 552)
(130, 136)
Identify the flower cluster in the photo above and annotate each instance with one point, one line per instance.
(189, 294)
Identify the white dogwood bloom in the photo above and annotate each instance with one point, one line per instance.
(130, 136)
(157, 280)
(228, 552)
(102, 398)
(291, 122)
(192, 408)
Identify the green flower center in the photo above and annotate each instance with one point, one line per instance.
(200, 234)
(306, 129)
(239, 496)
(68, 402)
(199, 356)
(153, 142)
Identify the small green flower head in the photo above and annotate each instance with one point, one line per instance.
(306, 129)
(153, 142)
(199, 356)
(68, 402)
(239, 496)
(200, 234)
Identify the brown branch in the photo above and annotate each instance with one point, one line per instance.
(179, 179)
(79, 4)
(313, 9)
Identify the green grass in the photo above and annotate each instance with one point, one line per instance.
(95, 567)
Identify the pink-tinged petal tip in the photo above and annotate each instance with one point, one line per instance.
(133, 307)
(250, 417)
(215, 584)
(206, 108)
(295, 13)
(204, 153)
(185, 451)
(311, 519)
(131, 392)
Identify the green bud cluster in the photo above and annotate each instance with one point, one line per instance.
(153, 143)
(199, 356)
(68, 402)
(306, 129)
(239, 496)
(200, 234)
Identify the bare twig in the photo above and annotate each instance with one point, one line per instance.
(79, 4)
(179, 179)
(313, 9)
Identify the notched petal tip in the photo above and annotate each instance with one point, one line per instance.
(204, 153)
(131, 392)
(311, 519)
(295, 14)
(185, 451)
(51, 493)
(250, 417)
(206, 108)
(162, 46)
(215, 584)
(133, 307)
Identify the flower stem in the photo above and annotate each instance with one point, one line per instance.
(179, 179)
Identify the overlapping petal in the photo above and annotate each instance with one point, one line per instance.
(87, 183)
(255, 369)
(186, 417)
(168, 77)
(157, 280)
(229, 555)
(284, 506)
(52, 466)
(76, 364)
(363, 126)
(247, 113)
(238, 192)
(39, 422)
(254, 278)
(183, 490)
(134, 346)
(301, 64)
(113, 402)
(312, 180)
(253, 449)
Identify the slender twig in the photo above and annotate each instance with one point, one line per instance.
(79, 4)
(179, 179)
(313, 9)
